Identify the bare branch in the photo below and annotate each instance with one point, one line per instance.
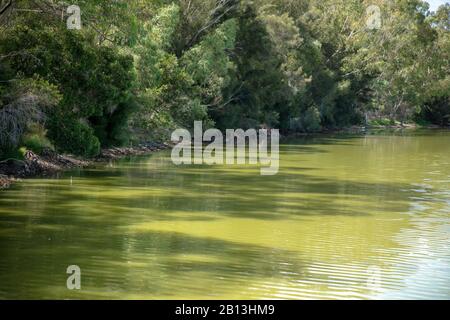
(216, 15)
(6, 7)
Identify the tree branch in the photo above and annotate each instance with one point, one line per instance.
(8, 4)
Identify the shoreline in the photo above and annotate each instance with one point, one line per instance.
(363, 129)
(50, 162)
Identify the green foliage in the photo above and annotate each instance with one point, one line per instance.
(382, 122)
(257, 84)
(311, 120)
(208, 63)
(139, 69)
(35, 143)
(95, 82)
(36, 139)
(73, 135)
(176, 91)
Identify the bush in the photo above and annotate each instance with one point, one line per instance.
(310, 121)
(382, 122)
(436, 111)
(74, 136)
(36, 143)
(36, 139)
(96, 83)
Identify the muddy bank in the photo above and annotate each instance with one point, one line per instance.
(49, 162)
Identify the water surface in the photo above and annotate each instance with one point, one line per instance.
(359, 217)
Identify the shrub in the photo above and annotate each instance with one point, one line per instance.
(36, 139)
(436, 111)
(382, 122)
(36, 143)
(74, 136)
(310, 121)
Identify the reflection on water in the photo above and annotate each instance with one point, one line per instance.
(346, 217)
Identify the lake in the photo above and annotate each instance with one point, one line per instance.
(347, 217)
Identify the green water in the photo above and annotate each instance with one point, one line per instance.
(358, 217)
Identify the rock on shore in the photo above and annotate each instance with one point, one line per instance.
(5, 181)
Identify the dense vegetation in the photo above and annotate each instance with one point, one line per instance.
(138, 69)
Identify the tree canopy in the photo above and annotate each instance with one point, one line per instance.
(138, 69)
